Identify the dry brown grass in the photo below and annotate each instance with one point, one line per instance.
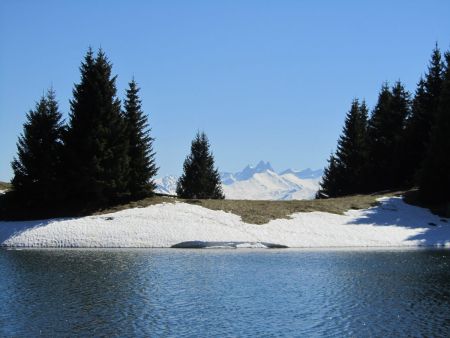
(5, 186)
(260, 212)
(137, 204)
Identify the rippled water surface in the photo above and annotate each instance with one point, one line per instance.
(224, 293)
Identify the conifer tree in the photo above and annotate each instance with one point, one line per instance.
(142, 167)
(435, 175)
(400, 111)
(330, 186)
(96, 146)
(344, 174)
(200, 179)
(37, 165)
(423, 114)
(384, 129)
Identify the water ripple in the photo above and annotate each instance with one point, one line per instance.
(245, 293)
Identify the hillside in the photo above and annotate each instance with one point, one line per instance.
(390, 222)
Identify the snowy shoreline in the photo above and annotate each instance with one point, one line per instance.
(392, 223)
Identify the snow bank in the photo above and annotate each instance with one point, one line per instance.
(392, 223)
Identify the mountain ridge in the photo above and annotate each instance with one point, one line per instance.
(260, 182)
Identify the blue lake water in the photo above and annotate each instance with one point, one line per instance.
(224, 293)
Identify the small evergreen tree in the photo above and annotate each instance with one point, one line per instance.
(142, 167)
(200, 179)
(344, 174)
(37, 165)
(435, 175)
(96, 157)
(330, 186)
(423, 114)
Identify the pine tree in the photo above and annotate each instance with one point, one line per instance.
(400, 110)
(423, 114)
(344, 174)
(96, 146)
(200, 179)
(37, 165)
(435, 175)
(142, 167)
(331, 186)
(384, 129)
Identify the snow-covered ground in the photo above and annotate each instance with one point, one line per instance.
(392, 223)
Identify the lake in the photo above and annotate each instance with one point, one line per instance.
(262, 293)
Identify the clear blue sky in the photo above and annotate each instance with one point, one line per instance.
(268, 80)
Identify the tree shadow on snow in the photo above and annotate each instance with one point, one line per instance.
(394, 211)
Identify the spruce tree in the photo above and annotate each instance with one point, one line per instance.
(344, 174)
(96, 146)
(200, 179)
(330, 186)
(400, 110)
(423, 114)
(37, 165)
(142, 167)
(384, 129)
(435, 175)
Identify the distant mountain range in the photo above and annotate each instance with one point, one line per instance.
(260, 182)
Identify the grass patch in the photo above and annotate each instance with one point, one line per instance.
(5, 186)
(260, 212)
(157, 199)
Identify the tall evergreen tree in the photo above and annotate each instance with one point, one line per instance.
(384, 129)
(142, 167)
(37, 165)
(200, 179)
(423, 114)
(435, 175)
(96, 145)
(344, 174)
(400, 111)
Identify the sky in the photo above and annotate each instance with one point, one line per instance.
(266, 80)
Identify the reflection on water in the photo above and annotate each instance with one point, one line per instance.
(224, 293)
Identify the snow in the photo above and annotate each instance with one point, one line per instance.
(306, 173)
(392, 223)
(166, 185)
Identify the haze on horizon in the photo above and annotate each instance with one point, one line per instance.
(266, 80)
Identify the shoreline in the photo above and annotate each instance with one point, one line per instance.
(243, 249)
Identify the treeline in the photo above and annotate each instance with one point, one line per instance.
(404, 143)
(104, 153)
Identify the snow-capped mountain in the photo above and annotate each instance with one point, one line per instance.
(166, 185)
(247, 173)
(307, 173)
(260, 182)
